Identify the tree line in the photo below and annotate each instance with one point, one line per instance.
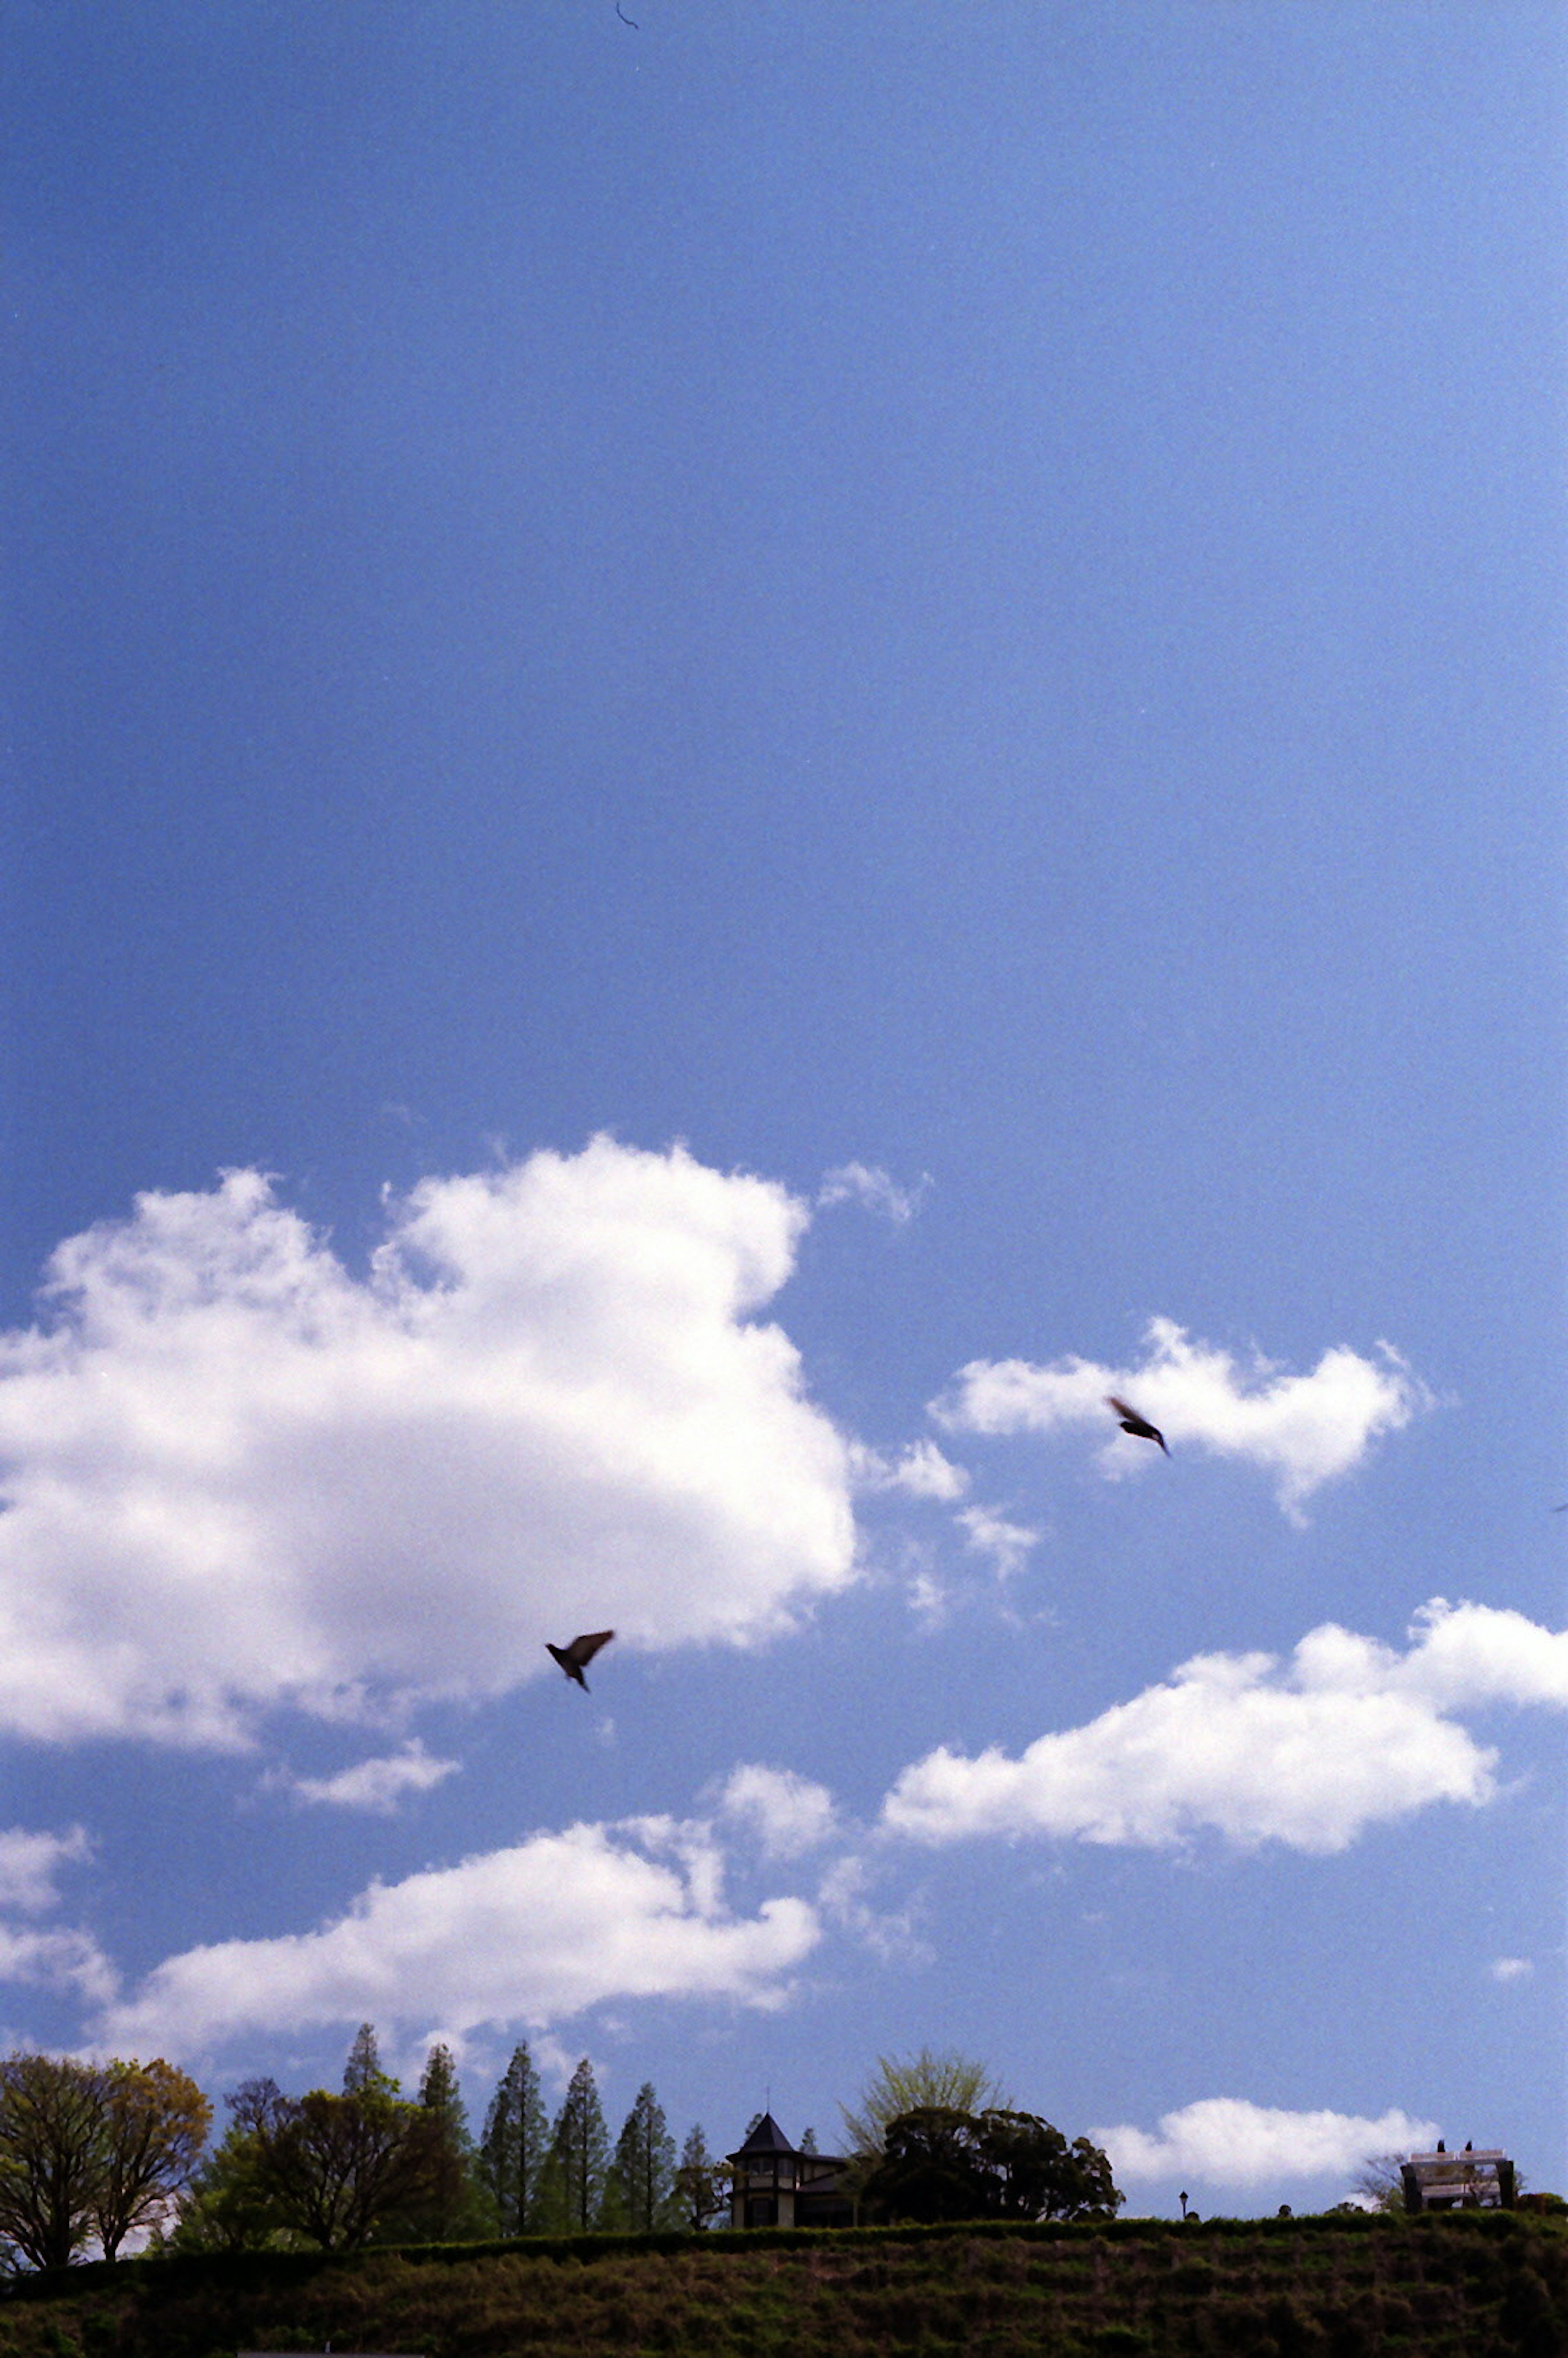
(89, 2153)
(369, 2165)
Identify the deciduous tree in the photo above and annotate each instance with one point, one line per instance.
(941, 2163)
(92, 2148)
(229, 2205)
(154, 2125)
(945, 2080)
(332, 2167)
(702, 2182)
(51, 2155)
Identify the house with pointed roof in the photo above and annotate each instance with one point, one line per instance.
(775, 2184)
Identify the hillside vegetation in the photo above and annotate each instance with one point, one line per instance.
(1338, 2286)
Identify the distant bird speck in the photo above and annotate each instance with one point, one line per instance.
(1139, 1426)
(581, 1649)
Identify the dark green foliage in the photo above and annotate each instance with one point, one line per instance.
(228, 2207)
(1532, 2318)
(987, 2290)
(940, 2163)
(331, 2169)
(455, 2206)
(335, 2167)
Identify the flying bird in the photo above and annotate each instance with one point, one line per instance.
(1139, 1426)
(581, 1649)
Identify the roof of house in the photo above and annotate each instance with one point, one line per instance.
(767, 2137)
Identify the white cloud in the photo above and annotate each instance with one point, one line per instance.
(376, 1784)
(1347, 1734)
(237, 1475)
(66, 1959)
(31, 1863)
(787, 1812)
(989, 1534)
(889, 1935)
(1512, 1969)
(868, 1184)
(61, 1958)
(921, 1471)
(1303, 1429)
(1229, 2142)
(531, 1934)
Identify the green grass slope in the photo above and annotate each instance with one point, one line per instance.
(1491, 2285)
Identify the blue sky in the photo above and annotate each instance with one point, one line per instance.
(745, 752)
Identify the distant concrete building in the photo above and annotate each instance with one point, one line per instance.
(771, 2184)
(1470, 2181)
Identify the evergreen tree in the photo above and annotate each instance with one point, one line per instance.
(362, 2073)
(455, 2207)
(641, 2192)
(552, 2204)
(512, 2154)
(581, 2146)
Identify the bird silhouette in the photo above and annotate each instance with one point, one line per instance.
(1139, 1426)
(581, 1649)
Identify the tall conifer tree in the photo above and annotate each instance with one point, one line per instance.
(641, 2193)
(512, 2152)
(580, 2147)
(456, 2207)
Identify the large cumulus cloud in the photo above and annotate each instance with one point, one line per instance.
(237, 1473)
(1348, 1734)
(1229, 2141)
(531, 1934)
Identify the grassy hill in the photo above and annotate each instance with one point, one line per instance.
(1335, 2287)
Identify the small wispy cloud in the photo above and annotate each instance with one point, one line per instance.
(66, 1959)
(1304, 1429)
(788, 1813)
(889, 1933)
(920, 1471)
(60, 1958)
(378, 1785)
(868, 1184)
(30, 1865)
(1512, 1969)
(988, 1533)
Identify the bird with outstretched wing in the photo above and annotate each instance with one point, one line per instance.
(581, 1649)
(1139, 1426)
